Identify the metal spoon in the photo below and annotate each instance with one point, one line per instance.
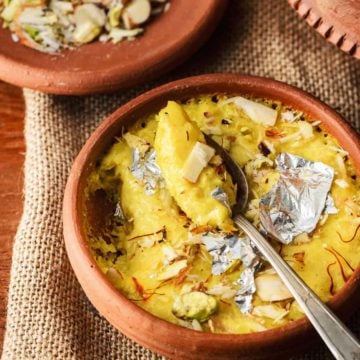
(338, 338)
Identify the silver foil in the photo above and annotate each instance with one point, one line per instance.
(220, 195)
(243, 297)
(295, 203)
(330, 207)
(144, 168)
(226, 249)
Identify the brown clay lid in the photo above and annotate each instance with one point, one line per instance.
(336, 20)
(168, 40)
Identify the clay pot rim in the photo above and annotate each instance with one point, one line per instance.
(76, 243)
(69, 72)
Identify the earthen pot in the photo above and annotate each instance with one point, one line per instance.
(168, 40)
(156, 334)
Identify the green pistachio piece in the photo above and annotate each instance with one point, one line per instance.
(114, 16)
(33, 32)
(194, 305)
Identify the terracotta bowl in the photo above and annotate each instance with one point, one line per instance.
(146, 329)
(169, 39)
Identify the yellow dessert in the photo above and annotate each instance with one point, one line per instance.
(176, 139)
(154, 250)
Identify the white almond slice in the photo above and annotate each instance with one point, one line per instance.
(269, 287)
(36, 17)
(64, 6)
(196, 325)
(316, 123)
(290, 116)
(341, 165)
(258, 113)
(292, 137)
(86, 32)
(91, 13)
(89, 20)
(224, 291)
(170, 254)
(172, 270)
(270, 311)
(306, 129)
(136, 13)
(196, 161)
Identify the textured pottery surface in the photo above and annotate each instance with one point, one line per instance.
(338, 21)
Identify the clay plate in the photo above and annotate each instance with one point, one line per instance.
(148, 330)
(338, 21)
(168, 40)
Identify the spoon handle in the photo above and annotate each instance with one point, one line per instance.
(338, 338)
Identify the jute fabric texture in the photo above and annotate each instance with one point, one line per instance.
(49, 317)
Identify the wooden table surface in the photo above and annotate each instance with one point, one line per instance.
(12, 150)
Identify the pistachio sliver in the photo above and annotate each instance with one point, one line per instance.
(114, 16)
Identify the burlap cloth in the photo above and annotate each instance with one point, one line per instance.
(49, 317)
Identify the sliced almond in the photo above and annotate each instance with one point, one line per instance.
(196, 325)
(224, 291)
(270, 311)
(306, 129)
(258, 113)
(170, 254)
(136, 13)
(269, 287)
(89, 20)
(172, 270)
(91, 13)
(197, 160)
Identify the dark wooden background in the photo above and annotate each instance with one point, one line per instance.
(12, 150)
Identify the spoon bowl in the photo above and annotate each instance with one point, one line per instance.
(237, 175)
